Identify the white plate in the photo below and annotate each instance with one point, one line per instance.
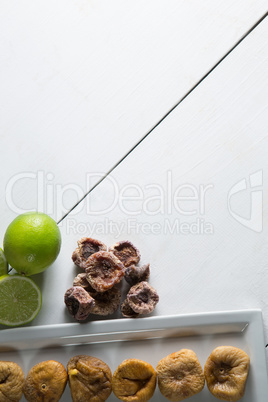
(149, 339)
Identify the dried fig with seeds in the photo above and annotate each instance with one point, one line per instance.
(135, 274)
(180, 375)
(11, 382)
(226, 372)
(126, 252)
(79, 302)
(86, 247)
(89, 378)
(127, 311)
(142, 298)
(81, 280)
(106, 302)
(104, 270)
(45, 382)
(134, 380)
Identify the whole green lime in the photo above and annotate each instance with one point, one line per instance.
(32, 243)
(3, 263)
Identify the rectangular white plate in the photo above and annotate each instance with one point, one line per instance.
(149, 339)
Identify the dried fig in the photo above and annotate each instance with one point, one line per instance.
(226, 372)
(79, 302)
(89, 378)
(45, 382)
(127, 311)
(142, 298)
(135, 274)
(11, 382)
(134, 380)
(106, 302)
(180, 375)
(104, 270)
(126, 252)
(86, 247)
(81, 280)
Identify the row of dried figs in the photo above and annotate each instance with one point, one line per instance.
(89, 380)
(96, 290)
(45, 381)
(179, 376)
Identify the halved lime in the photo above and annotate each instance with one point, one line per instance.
(3, 263)
(20, 300)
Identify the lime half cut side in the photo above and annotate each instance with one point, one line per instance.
(20, 300)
